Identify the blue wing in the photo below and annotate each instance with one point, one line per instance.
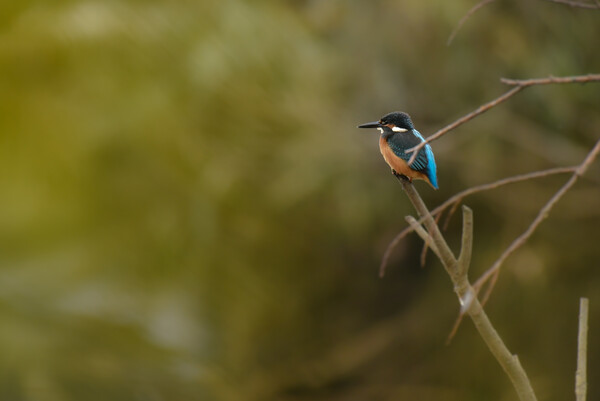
(431, 169)
(424, 162)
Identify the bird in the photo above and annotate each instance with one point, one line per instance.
(398, 134)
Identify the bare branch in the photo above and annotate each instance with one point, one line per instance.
(465, 18)
(446, 255)
(490, 287)
(456, 199)
(462, 120)
(543, 213)
(425, 245)
(518, 86)
(484, 299)
(464, 259)
(509, 180)
(418, 228)
(451, 213)
(455, 327)
(580, 79)
(581, 373)
(469, 302)
(577, 4)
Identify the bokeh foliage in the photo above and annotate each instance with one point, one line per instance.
(188, 211)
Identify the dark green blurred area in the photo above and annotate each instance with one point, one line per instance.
(188, 211)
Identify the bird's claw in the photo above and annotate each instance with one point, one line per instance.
(401, 176)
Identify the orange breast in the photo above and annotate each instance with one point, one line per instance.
(398, 164)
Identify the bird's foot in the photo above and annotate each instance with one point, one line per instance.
(401, 176)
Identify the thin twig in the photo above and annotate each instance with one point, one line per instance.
(581, 373)
(577, 4)
(481, 109)
(423, 257)
(390, 248)
(464, 259)
(580, 79)
(425, 245)
(543, 213)
(504, 181)
(451, 213)
(465, 18)
(483, 300)
(456, 199)
(422, 233)
(519, 85)
(490, 287)
(455, 327)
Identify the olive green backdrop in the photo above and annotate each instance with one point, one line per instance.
(188, 212)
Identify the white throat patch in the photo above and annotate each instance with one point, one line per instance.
(398, 129)
(380, 129)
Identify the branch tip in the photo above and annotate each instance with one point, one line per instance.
(581, 373)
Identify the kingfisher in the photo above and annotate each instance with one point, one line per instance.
(398, 134)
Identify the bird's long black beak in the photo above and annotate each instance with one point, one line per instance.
(374, 124)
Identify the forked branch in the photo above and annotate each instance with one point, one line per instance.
(456, 199)
(457, 270)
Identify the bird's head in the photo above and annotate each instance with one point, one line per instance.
(396, 121)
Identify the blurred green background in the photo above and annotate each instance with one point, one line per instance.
(188, 211)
